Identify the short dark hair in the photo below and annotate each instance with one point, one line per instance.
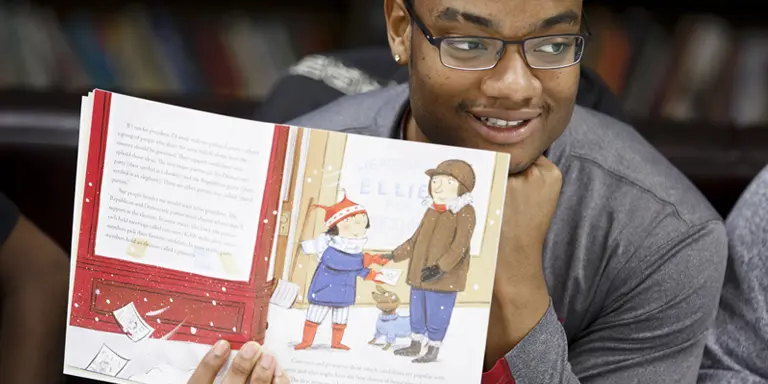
(334, 231)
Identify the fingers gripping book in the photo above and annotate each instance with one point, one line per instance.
(352, 259)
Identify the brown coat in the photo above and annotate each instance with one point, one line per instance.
(442, 238)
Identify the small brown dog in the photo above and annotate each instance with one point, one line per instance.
(389, 324)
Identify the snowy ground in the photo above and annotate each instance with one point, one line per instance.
(154, 361)
(460, 359)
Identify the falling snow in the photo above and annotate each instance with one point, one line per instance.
(213, 302)
(224, 289)
(108, 302)
(90, 184)
(309, 179)
(193, 330)
(87, 200)
(171, 300)
(476, 287)
(211, 323)
(98, 291)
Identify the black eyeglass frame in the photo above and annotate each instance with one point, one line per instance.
(437, 41)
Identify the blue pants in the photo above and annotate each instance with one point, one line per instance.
(431, 313)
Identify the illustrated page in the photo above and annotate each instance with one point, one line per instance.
(391, 275)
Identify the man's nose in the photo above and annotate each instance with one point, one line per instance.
(512, 80)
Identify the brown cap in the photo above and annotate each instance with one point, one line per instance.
(458, 169)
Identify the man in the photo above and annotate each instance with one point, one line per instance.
(737, 348)
(441, 245)
(614, 277)
(33, 282)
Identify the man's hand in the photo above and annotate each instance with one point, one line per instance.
(431, 273)
(250, 365)
(520, 296)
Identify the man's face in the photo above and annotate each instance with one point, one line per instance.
(444, 188)
(453, 107)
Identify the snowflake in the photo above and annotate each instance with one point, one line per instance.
(309, 180)
(224, 289)
(98, 291)
(171, 300)
(193, 330)
(77, 305)
(211, 323)
(108, 301)
(87, 200)
(145, 299)
(97, 319)
(213, 302)
(234, 329)
(476, 287)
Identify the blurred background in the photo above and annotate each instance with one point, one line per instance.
(691, 76)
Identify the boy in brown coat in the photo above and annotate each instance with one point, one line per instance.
(438, 254)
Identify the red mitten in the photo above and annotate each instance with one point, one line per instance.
(372, 275)
(368, 259)
(377, 259)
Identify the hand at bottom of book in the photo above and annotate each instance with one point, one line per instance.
(250, 365)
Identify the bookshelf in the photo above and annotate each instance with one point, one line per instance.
(691, 75)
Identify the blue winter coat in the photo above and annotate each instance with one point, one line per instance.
(335, 281)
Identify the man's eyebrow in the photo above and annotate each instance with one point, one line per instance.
(454, 15)
(566, 17)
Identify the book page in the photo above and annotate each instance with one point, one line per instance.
(182, 189)
(393, 262)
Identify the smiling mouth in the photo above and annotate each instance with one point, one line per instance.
(498, 123)
(492, 122)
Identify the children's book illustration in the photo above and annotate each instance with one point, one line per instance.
(350, 258)
(390, 325)
(438, 257)
(341, 261)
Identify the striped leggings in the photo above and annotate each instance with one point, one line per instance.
(318, 313)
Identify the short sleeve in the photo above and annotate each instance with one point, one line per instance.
(9, 215)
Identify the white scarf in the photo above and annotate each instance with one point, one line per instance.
(319, 244)
(455, 205)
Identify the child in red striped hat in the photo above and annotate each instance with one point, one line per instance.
(341, 261)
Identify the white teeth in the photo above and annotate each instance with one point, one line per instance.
(500, 123)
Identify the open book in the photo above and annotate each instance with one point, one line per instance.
(333, 250)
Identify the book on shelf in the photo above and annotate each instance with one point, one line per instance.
(335, 251)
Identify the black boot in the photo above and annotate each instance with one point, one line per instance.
(430, 356)
(413, 350)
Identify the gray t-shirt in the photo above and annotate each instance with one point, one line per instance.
(634, 258)
(737, 349)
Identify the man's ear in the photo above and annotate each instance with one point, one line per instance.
(398, 30)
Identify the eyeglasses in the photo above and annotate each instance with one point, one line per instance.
(477, 53)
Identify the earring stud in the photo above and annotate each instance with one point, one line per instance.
(397, 58)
